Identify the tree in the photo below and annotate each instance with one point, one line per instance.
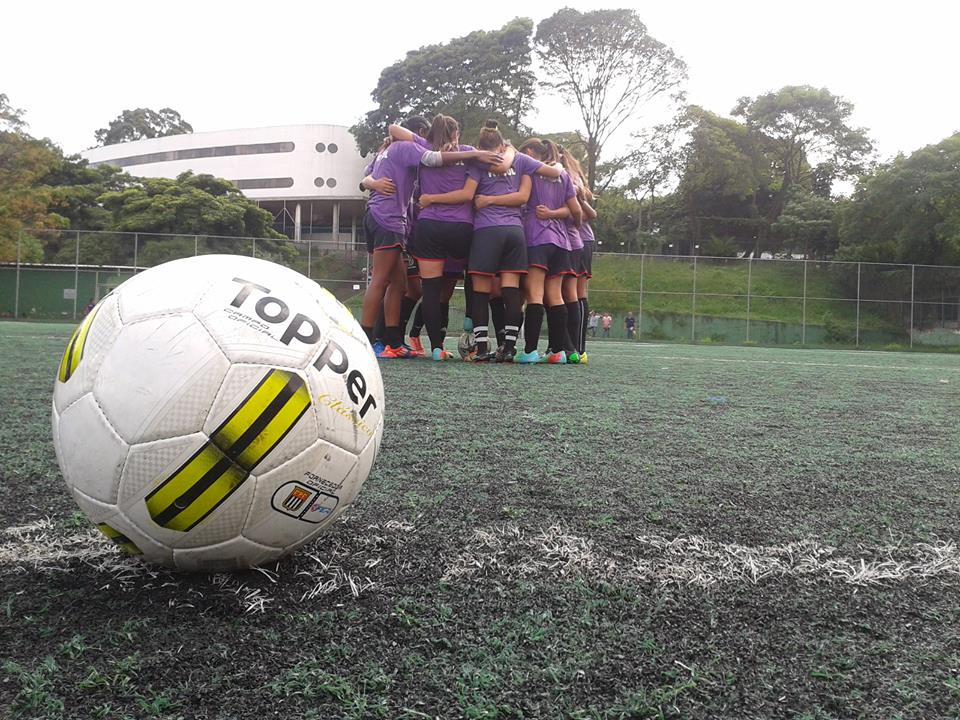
(472, 78)
(808, 224)
(724, 179)
(142, 123)
(907, 211)
(24, 198)
(607, 65)
(11, 118)
(803, 124)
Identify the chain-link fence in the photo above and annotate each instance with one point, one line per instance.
(57, 274)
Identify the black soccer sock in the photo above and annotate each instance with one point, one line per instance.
(369, 333)
(406, 310)
(585, 319)
(557, 327)
(497, 314)
(393, 336)
(512, 317)
(573, 324)
(431, 309)
(444, 320)
(481, 314)
(532, 323)
(468, 296)
(380, 327)
(417, 326)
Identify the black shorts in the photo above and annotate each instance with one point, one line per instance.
(576, 262)
(552, 258)
(378, 237)
(498, 250)
(438, 240)
(586, 259)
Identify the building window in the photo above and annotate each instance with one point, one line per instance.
(332, 147)
(331, 183)
(321, 147)
(261, 183)
(204, 152)
(318, 182)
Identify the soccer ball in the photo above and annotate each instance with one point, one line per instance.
(216, 412)
(466, 345)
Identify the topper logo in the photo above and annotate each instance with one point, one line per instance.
(303, 329)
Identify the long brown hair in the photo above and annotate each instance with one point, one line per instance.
(443, 131)
(490, 136)
(545, 150)
(572, 166)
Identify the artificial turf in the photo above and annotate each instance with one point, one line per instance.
(670, 531)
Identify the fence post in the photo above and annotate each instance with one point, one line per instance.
(196, 245)
(803, 319)
(749, 281)
(859, 265)
(640, 313)
(309, 246)
(136, 242)
(16, 290)
(76, 277)
(693, 305)
(913, 272)
(253, 245)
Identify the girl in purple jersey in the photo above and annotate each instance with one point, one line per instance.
(444, 223)
(385, 224)
(585, 270)
(499, 246)
(551, 204)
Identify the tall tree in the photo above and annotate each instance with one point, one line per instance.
(907, 211)
(803, 126)
(724, 177)
(11, 118)
(607, 65)
(483, 74)
(142, 123)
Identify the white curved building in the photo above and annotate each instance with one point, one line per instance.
(308, 176)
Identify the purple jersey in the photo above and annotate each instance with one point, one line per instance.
(436, 181)
(573, 235)
(493, 184)
(399, 162)
(586, 232)
(554, 193)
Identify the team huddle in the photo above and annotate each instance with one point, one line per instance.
(512, 223)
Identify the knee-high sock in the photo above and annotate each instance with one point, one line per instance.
(497, 313)
(380, 327)
(406, 310)
(444, 319)
(532, 323)
(585, 318)
(557, 326)
(481, 315)
(573, 324)
(417, 326)
(512, 316)
(431, 309)
(468, 297)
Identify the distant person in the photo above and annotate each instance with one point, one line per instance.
(607, 322)
(89, 307)
(631, 323)
(592, 322)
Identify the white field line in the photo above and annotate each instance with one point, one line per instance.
(760, 361)
(510, 553)
(374, 558)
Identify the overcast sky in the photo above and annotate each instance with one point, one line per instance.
(74, 66)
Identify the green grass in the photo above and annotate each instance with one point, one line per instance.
(680, 536)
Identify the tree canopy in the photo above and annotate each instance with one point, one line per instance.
(485, 74)
(608, 66)
(142, 123)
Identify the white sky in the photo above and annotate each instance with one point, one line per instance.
(74, 66)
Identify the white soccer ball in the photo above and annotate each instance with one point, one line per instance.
(216, 412)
